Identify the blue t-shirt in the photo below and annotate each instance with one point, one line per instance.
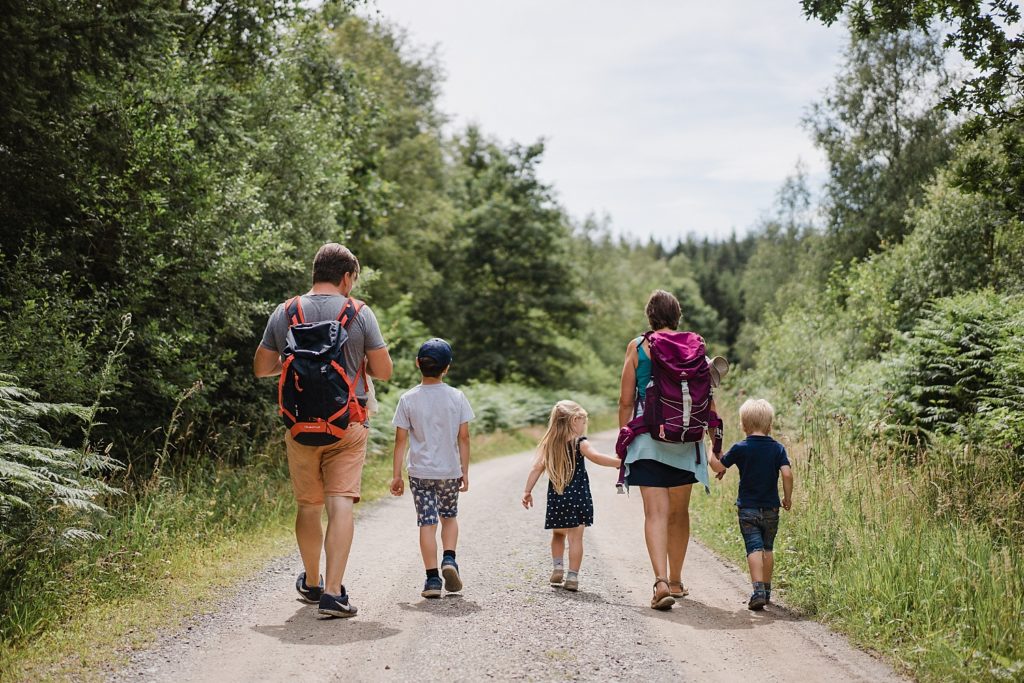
(758, 459)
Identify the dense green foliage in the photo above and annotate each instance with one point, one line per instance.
(980, 31)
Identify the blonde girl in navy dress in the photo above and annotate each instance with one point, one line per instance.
(570, 508)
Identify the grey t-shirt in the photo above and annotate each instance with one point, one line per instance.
(363, 332)
(433, 414)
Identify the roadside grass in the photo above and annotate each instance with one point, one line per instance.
(866, 551)
(167, 555)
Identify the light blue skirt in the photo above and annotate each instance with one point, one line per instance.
(682, 456)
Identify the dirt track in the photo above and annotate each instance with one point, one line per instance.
(508, 623)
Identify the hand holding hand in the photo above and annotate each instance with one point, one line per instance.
(397, 486)
(463, 483)
(527, 500)
(721, 475)
(787, 503)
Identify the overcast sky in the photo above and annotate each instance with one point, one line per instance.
(669, 116)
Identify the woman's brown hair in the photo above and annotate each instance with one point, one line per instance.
(663, 310)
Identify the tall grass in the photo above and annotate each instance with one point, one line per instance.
(879, 548)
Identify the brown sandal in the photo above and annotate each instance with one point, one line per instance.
(662, 599)
(681, 593)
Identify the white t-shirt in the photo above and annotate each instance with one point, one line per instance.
(433, 414)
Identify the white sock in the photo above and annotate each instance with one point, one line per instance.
(558, 562)
(571, 575)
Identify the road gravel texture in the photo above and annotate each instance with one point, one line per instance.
(507, 624)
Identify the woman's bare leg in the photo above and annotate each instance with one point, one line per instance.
(678, 530)
(656, 511)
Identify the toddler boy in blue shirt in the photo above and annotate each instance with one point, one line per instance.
(760, 459)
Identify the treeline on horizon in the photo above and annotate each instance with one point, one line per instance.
(170, 168)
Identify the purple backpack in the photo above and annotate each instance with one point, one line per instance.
(677, 404)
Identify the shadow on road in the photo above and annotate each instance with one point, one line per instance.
(705, 617)
(308, 627)
(451, 605)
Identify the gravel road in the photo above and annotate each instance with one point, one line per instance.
(507, 623)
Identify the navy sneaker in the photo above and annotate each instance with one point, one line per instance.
(758, 599)
(450, 571)
(310, 595)
(432, 587)
(337, 605)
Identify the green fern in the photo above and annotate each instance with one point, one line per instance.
(960, 371)
(48, 492)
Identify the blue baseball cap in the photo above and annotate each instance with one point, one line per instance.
(437, 350)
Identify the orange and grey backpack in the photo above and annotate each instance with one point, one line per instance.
(316, 394)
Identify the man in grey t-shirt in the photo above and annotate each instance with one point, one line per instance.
(328, 475)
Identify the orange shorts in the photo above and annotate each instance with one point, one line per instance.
(332, 470)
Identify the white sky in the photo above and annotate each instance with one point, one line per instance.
(669, 116)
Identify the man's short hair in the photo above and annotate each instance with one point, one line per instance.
(331, 263)
(430, 367)
(756, 415)
(663, 310)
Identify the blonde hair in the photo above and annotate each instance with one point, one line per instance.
(556, 446)
(756, 415)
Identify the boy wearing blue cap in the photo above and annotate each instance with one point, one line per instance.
(432, 422)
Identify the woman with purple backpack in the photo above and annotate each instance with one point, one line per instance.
(664, 452)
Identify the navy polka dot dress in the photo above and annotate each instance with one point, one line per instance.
(574, 506)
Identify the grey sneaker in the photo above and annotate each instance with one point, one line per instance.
(571, 585)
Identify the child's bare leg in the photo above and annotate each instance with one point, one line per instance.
(769, 565)
(575, 548)
(557, 544)
(449, 533)
(428, 546)
(755, 562)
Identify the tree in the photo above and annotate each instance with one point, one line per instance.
(510, 294)
(175, 161)
(882, 136)
(782, 250)
(977, 29)
(407, 215)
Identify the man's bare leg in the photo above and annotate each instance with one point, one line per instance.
(309, 533)
(340, 528)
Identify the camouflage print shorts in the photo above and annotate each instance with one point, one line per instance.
(434, 497)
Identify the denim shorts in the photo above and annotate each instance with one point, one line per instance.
(434, 497)
(759, 526)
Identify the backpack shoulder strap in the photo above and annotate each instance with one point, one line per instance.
(293, 310)
(350, 311)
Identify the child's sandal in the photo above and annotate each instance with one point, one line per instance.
(662, 599)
